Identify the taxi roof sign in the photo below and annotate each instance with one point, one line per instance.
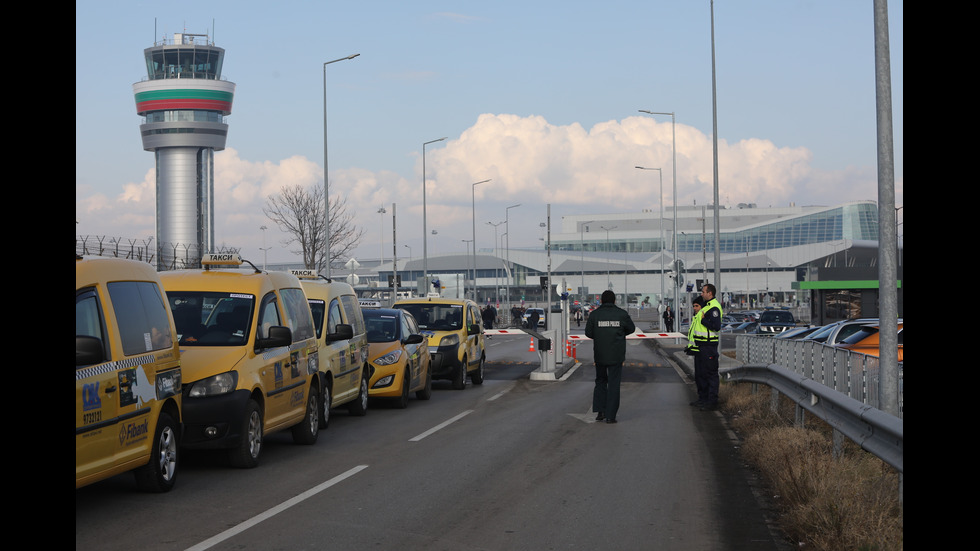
(221, 259)
(305, 273)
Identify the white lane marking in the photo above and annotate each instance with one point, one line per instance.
(210, 542)
(570, 371)
(587, 417)
(498, 395)
(440, 426)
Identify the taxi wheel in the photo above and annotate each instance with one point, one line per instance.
(426, 391)
(327, 405)
(459, 378)
(402, 401)
(477, 376)
(160, 473)
(246, 455)
(305, 432)
(359, 406)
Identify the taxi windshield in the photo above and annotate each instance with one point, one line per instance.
(210, 318)
(381, 327)
(436, 317)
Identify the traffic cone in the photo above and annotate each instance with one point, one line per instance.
(532, 346)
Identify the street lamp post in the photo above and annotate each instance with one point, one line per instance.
(407, 269)
(467, 241)
(265, 250)
(326, 174)
(582, 239)
(382, 212)
(608, 260)
(662, 239)
(496, 251)
(506, 271)
(507, 221)
(474, 235)
(425, 236)
(673, 170)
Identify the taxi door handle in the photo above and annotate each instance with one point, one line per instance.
(110, 389)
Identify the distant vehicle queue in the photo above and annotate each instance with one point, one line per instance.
(219, 357)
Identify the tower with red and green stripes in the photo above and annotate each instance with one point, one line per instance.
(184, 102)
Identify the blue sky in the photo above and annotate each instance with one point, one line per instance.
(540, 96)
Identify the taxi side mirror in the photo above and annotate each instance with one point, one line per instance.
(474, 329)
(278, 336)
(88, 350)
(414, 339)
(344, 332)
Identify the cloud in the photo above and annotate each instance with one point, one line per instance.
(528, 157)
(530, 161)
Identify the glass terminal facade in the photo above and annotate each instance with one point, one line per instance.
(856, 221)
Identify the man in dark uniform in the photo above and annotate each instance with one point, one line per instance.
(608, 326)
(669, 319)
(707, 342)
(489, 316)
(533, 320)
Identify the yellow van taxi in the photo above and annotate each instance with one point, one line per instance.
(455, 332)
(342, 343)
(399, 356)
(127, 375)
(249, 357)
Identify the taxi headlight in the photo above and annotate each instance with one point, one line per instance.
(389, 358)
(222, 383)
(449, 340)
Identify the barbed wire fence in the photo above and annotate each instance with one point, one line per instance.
(167, 256)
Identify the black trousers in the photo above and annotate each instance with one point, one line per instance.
(706, 373)
(605, 395)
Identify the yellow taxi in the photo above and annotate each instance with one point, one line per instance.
(399, 356)
(455, 332)
(342, 343)
(249, 357)
(127, 375)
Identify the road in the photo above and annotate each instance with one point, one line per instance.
(510, 464)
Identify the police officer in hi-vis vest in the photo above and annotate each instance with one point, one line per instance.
(692, 348)
(706, 338)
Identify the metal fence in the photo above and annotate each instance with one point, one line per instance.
(167, 257)
(853, 374)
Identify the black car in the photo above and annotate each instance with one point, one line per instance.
(773, 322)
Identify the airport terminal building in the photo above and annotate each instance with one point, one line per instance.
(768, 256)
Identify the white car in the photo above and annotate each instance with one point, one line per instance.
(527, 317)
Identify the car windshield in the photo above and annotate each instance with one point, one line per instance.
(211, 319)
(381, 327)
(436, 317)
(847, 330)
(859, 335)
(776, 316)
(821, 335)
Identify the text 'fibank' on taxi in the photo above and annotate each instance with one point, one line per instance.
(249, 356)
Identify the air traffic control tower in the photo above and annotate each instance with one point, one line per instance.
(183, 103)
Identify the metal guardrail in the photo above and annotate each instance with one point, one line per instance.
(874, 430)
(853, 374)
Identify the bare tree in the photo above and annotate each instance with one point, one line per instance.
(298, 211)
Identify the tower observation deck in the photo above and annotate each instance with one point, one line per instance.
(183, 103)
